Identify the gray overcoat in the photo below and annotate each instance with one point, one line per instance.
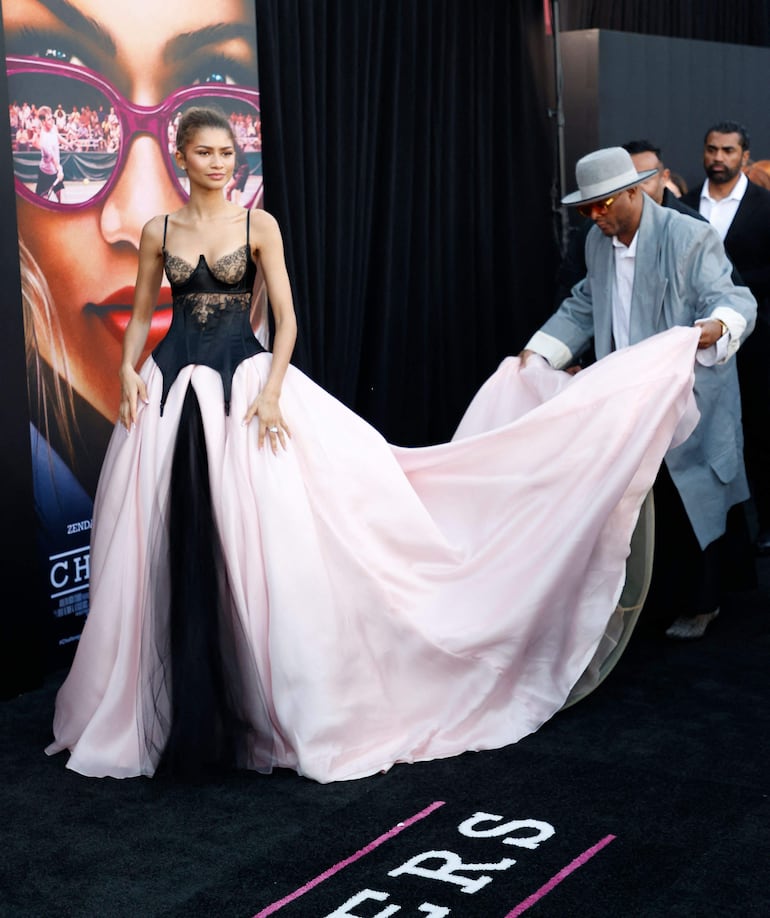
(681, 274)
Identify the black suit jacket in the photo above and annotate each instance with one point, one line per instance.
(675, 203)
(747, 242)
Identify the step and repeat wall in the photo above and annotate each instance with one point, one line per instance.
(94, 92)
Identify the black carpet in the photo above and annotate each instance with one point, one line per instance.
(647, 798)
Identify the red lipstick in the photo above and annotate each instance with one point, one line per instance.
(115, 311)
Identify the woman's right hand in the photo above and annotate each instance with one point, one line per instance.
(132, 388)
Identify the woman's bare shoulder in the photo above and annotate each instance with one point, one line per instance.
(155, 225)
(153, 232)
(264, 224)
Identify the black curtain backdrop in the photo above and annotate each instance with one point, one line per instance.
(741, 22)
(408, 159)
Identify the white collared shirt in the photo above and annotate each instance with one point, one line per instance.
(720, 212)
(622, 288)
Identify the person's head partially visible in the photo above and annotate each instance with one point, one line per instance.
(759, 172)
(646, 156)
(677, 185)
(125, 71)
(45, 115)
(608, 192)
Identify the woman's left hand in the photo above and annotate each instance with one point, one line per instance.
(271, 424)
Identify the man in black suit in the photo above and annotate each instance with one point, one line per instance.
(740, 211)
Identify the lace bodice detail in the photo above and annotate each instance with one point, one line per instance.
(228, 269)
(211, 316)
(202, 305)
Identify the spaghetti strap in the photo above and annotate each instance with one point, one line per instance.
(248, 226)
(165, 227)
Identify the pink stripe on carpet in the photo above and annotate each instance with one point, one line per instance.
(270, 909)
(579, 861)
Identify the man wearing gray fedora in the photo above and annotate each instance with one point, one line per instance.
(650, 268)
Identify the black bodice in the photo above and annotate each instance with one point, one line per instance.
(210, 324)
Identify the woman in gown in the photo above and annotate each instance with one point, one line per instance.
(274, 585)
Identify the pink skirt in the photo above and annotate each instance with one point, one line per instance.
(392, 604)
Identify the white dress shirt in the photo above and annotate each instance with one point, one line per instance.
(720, 211)
(622, 288)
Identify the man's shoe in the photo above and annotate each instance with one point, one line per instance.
(687, 629)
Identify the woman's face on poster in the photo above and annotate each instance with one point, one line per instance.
(144, 52)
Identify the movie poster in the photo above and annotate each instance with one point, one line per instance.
(96, 88)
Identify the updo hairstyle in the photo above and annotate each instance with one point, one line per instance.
(199, 117)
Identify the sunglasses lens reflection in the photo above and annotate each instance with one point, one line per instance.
(586, 210)
(90, 138)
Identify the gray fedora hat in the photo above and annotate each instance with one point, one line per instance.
(602, 173)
